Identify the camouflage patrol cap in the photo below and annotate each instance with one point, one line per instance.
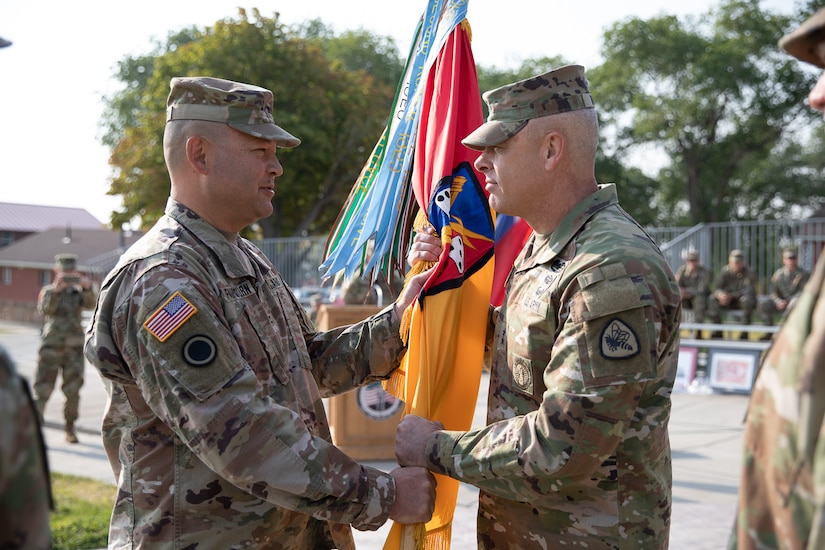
(692, 255)
(514, 105)
(244, 107)
(736, 254)
(789, 252)
(802, 42)
(65, 262)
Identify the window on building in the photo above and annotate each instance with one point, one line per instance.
(6, 275)
(45, 278)
(6, 238)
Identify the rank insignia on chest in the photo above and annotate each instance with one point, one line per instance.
(170, 317)
(618, 340)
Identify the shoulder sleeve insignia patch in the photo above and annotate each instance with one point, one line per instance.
(618, 340)
(170, 317)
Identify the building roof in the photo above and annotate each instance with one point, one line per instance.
(33, 218)
(95, 248)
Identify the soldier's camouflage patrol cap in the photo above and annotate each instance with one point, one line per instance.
(789, 252)
(244, 107)
(512, 106)
(65, 262)
(802, 42)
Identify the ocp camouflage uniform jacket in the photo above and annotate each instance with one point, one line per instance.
(787, 284)
(216, 429)
(738, 284)
(62, 314)
(782, 486)
(576, 452)
(25, 495)
(697, 281)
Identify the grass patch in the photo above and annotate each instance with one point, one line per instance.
(83, 506)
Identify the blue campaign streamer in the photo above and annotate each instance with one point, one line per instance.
(376, 218)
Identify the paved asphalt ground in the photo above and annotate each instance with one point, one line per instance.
(705, 431)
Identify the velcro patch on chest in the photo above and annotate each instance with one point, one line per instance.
(169, 317)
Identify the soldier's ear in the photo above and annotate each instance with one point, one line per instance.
(198, 150)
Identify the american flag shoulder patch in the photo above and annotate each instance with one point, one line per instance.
(170, 317)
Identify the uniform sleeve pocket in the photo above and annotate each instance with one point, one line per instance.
(615, 340)
(186, 347)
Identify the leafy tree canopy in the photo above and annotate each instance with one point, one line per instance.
(703, 119)
(722, 106)
(333, 92)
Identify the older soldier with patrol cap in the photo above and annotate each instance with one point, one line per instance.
(61, 346)
(782, 485)
(575, 453)
(216, 428)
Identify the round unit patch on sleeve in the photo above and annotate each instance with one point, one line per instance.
(199, 351)
(618, 340)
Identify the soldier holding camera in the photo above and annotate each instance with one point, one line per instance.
(61, 348)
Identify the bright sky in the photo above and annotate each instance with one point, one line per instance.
(64, 54)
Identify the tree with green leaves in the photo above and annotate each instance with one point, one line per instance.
(719, 107)
(333, 92)
(632, 184)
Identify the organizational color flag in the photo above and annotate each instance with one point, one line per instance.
(420, 164)
(440, 372)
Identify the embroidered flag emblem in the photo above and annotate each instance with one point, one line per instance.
(170, 317)
(618, 341)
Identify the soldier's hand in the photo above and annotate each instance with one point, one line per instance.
(411, 291)
(724, 298)
(426, 247)
(414, 495)
(411, 437)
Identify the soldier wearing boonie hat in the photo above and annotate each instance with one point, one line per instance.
(244, 107)
(512, 106)
(781, 486)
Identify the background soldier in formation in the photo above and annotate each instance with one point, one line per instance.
(734, 288)
(786, 286)
(694, 286)
(61, 348)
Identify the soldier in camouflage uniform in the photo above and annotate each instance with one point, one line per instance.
(694, 285)
(786, 286)
(734, 288)
(216, 428)
(575, 453)
(782, 486)
(25, 491)
(61, 348)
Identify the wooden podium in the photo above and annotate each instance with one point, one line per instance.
(363, 421)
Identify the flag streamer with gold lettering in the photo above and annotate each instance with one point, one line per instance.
(420, 162)
(441, 370)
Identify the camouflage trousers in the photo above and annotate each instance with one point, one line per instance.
(770, 312)
(746, 303)
(69, 362)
